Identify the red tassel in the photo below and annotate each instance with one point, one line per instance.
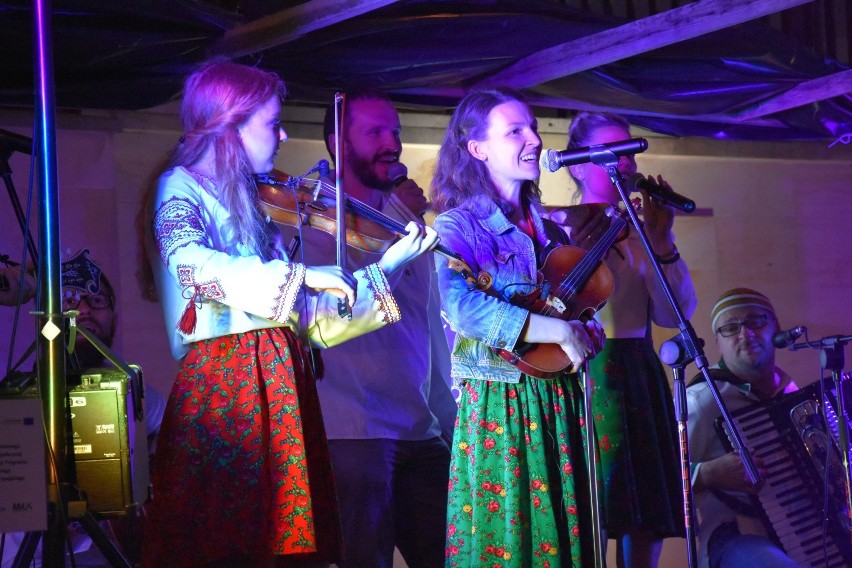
(187, 321)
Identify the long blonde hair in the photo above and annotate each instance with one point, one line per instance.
(218, 99)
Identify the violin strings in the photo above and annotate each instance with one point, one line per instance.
(580, 274)
(364, 209)
(377, 216)
(587, 261)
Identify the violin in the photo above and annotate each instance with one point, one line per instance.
(296, 202)
(576, 216)
(573, 284)
(308, 202)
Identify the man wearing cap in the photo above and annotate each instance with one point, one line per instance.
(729, 532)
(86, 289)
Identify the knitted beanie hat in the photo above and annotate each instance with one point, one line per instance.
(738, 298)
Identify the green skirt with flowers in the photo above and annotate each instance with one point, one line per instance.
(518, 493)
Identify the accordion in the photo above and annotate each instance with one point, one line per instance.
(803, 497)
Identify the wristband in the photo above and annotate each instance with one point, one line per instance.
(674, 257)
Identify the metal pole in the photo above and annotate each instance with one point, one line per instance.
(51, 359)
(592, 465)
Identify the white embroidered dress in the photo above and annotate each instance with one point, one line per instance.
(232, 291)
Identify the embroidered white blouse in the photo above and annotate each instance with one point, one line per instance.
(197, 268)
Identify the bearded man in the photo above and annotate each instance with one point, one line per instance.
(385, 396)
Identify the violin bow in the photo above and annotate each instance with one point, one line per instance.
(343, 307)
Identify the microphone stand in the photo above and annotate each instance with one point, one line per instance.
(687, 337)
(6, 173)
(832, 357)
(592, 465)
(677, 356)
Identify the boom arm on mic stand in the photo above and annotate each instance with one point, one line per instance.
(688, 348)
(552, 160)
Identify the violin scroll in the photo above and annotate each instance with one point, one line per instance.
(481, 281)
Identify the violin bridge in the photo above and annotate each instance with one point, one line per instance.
(317, 190)
(556, 303)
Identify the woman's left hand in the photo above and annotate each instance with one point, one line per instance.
(596, 334)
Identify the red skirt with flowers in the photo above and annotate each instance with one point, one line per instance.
(518, 493)
(242, 465)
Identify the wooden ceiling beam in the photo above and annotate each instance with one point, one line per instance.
(804, 93)
(637, 37)
(291, 24)
(576, 105)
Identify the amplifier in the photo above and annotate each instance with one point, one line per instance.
(110, 448)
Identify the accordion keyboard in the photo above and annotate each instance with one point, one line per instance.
(803, 493)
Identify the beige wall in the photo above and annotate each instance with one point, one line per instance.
(772, 216)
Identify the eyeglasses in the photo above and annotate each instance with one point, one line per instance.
(734, 327)
(71, 300)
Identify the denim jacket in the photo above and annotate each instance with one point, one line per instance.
(482, 320)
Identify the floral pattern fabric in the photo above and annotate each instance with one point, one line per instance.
(637, 440)
(242, 464)
(518, 482)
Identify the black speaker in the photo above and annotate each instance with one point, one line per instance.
(110, 447)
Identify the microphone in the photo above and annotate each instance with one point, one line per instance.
(323, 169)
(637, 181)
(552, 160)
(784, 339)
(398, 173)
(11, 142)
(675, 351)
(320, 167)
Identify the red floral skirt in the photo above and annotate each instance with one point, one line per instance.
(242, 465)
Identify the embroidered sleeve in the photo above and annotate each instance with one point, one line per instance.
(375, 307)
(286, 298)
(187, 229)
(378, 285)
(177, 223)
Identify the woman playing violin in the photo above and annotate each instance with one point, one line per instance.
(632, 402)
(517, 479)
(242, 474)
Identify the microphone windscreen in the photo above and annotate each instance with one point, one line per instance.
(549, 160)
(323, 168)
(397, 173)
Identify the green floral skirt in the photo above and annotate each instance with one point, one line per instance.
(637, 441)
(518, 493)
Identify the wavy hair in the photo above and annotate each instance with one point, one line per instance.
(218, 99)
(460, 179)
